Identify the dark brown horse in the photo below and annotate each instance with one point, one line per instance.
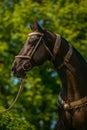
(42, 45)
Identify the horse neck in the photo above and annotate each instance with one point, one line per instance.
(73, 82)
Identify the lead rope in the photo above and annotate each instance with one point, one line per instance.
(15, 100)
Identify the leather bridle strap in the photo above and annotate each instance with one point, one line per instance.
(55, 50)
(72, 105)
(66, 58)
(56, 46)
(41, 38)
(30, 56)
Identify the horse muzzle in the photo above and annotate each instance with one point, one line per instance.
(20, 71)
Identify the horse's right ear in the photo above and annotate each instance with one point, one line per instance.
(36, 27)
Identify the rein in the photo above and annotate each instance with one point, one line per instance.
(29, 57)
(55, 51)
(15, 100)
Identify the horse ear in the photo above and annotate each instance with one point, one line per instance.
(37, 27)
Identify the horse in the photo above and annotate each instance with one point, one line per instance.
(42, 45)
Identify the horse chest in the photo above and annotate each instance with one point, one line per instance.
(75, 119)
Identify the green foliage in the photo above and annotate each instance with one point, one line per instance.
(12, 121)
(36, 109)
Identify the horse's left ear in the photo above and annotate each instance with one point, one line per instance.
(37, 27)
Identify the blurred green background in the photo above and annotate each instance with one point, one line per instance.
(36, 108)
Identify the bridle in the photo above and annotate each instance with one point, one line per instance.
(33, 51)
(61, 102)
(53, 55)
(29, 57)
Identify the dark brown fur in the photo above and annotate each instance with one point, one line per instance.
(74, 83)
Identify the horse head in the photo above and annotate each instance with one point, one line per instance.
(36, 50)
